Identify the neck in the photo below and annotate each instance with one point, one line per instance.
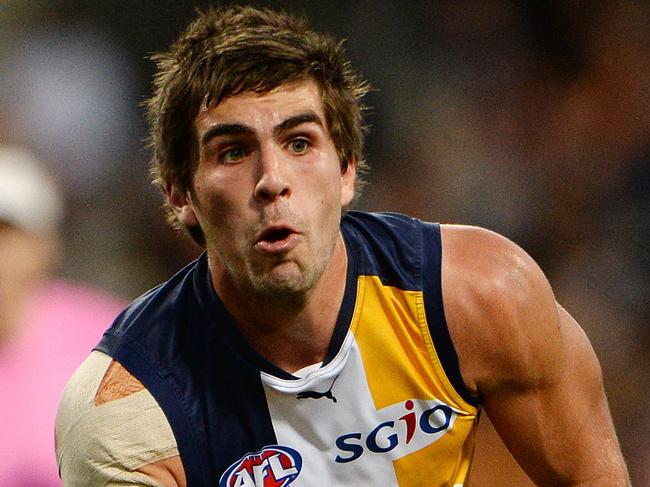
(292, 331)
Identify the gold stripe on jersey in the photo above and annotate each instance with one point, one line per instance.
(401, 363)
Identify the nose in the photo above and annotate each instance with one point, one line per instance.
(272, 182)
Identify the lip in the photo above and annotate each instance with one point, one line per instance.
(277, 246)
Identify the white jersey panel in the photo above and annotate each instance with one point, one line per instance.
(329, 417)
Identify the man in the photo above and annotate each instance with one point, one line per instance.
(309, 345)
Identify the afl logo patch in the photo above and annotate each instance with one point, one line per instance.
(272, 466)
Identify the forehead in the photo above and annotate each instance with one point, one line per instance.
(259, 110)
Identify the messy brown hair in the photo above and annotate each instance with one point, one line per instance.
(227, 51)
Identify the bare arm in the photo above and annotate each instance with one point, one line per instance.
(526, 357)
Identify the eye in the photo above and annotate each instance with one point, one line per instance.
(232, 155)
(299, 146)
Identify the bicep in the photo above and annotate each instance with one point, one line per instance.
(555, 420)
(531, 364)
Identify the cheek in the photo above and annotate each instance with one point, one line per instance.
(213, 195)
(223, 213)
(329, 204)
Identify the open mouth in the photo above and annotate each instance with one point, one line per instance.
(277, 240)
(275, 235)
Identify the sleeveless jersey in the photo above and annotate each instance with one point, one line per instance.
(387, 407)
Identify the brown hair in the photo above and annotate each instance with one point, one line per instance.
(227, 51)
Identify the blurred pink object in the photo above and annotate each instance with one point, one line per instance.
(64, 322)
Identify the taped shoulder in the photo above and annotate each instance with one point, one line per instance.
(105, 434)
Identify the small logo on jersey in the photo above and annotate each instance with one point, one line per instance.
(387, 436)
(317, 395)
(272, 466)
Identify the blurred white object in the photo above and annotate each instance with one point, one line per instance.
(29, 198)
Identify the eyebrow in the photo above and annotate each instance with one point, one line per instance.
(223, 129)
(295, 120)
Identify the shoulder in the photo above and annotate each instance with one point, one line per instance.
(500, 309)
(481, 261)
(109, 427)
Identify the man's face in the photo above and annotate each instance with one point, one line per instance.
(268, 189)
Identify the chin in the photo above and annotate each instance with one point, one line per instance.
(282, 286)
(286, 283)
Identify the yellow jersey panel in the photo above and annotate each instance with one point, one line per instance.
(401, 365)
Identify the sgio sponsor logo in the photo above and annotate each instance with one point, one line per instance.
(388, 435)
(272, 466)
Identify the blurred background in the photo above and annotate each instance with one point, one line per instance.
(530, 118)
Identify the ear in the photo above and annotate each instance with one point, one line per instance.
(348, 180)
(181, 203)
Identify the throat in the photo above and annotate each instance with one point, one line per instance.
(291, 330)
(297, 346)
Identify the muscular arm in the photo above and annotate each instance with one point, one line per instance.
(533, 367)
(111, 431)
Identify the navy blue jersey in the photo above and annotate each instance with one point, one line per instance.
(387, 405)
